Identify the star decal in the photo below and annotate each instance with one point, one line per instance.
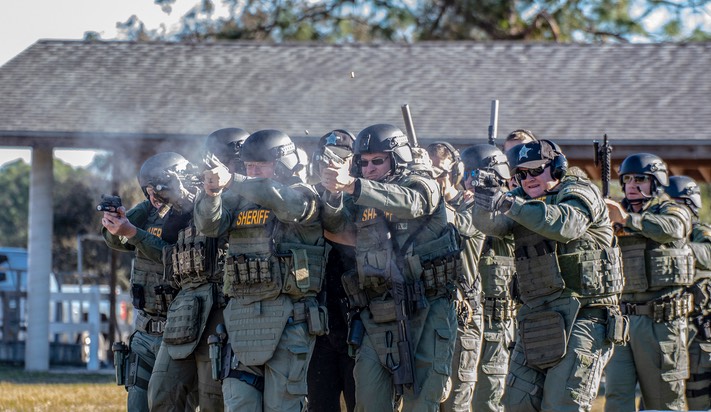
(332, 139)
(523, 153)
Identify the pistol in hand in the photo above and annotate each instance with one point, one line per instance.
(109, 203)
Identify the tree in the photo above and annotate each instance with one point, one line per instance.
(76, 193)
(401, 20)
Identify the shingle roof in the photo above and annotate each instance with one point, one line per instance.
(570, 92)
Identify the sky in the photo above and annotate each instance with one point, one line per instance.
(23, 22)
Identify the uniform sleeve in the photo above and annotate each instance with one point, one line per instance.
(672, 222)
(701, 246)
(337, 212)
(464, 223)
(298, 203)
(417, 197)
(563, 222)
(209, 216)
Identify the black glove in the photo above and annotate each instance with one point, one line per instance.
(488, 198)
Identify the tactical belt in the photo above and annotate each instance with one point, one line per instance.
(249, 378)
(661, 310)
(153, 325)
(594, 313)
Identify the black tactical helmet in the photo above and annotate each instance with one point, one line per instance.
(485, 157)
(272, 146)
(154, 171)
(686, 189)
(646, 164)
(226, 143)
(384, 138)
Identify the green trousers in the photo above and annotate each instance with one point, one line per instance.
(698, 386)
(493, 365)
(656, 356)
(433, 353)
(174, 382)
(570, 385)
(284, 376)
(144, 349)
(467, 351)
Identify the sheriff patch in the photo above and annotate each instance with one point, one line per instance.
(252, 218)
(157, 231)
(372, 213)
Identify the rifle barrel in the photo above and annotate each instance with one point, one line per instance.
(407, 116)
(493, 122)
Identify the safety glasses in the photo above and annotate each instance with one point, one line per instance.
(377, 162)
(635, 178)
(524, 173)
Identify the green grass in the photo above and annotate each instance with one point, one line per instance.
(68, 390)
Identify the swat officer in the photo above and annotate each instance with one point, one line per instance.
(273, 271)
(517, 137)
(407, 259)
(330, 373)
(183, 361)
(658, 266)
(684, 190)
(496, 269)
(448, 167)
(569, 279)
(145, 229)
(226, 145)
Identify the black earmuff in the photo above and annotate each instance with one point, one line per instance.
(559, 164)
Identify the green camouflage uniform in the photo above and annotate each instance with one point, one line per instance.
(183, 362)
(496, 268)
(467, 347)
(151, 305)
(658, 265)
(698, 386)
(273, 271)
(402, 233)
(568, 280)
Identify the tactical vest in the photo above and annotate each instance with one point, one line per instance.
(151, 290)
(650, 266)
(496, 271)
(195, 258)
(423, 249)
(267, 257)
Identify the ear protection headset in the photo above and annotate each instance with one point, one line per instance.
(559, 164)
(457, 170)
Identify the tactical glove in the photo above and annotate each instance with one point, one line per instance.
(488, 198)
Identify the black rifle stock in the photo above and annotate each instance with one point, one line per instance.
(404, 371)
(603, 159)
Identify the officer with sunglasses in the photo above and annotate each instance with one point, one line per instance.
(658, 266)
(568, 276)
(407, 260)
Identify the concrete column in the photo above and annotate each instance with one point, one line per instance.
(40, 260)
